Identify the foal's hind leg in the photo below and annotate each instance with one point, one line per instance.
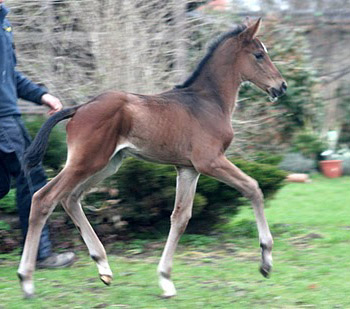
(185, 190)
(223, 170)
(43, 203)
(73, 208)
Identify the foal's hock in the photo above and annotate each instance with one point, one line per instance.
(188, 127)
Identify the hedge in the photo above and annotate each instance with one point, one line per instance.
(147, 193)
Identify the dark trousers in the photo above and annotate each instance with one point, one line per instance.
(26, 185)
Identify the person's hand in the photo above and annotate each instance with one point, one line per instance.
(52, 102)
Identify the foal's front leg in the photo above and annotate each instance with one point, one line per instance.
(223, 170)
(185, 190)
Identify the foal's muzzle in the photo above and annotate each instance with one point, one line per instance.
(277, 92)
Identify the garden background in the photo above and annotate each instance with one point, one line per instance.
(78, 49)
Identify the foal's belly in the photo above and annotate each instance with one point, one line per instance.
(158, 155)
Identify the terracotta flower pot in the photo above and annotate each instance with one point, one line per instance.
(331, 168)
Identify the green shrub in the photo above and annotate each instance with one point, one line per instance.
(56, 151)
(244, 228)
(308, 144)
(4, 226)
(8, 202)
(269, 177)
(268, 158)
(147, 193)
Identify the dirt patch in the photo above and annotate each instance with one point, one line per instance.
(248, 256)
(305, 240)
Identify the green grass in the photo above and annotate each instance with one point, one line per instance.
(311, 228)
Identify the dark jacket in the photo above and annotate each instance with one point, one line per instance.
(13, 84)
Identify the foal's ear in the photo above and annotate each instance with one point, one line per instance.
(251, 32)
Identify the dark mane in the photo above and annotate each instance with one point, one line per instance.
(213, 46)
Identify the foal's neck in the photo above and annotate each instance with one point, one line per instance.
(219, 79)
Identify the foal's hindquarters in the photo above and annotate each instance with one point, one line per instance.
(92, 156)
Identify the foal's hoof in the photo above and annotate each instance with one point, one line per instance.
(106, 279)
(166, 295)
(166, 285)
(265, 270)
(27, 286)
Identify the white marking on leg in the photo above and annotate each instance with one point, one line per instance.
(167, 286)
(185, 191)
(37, 221)
(28, 288)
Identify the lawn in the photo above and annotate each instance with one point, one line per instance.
(311, 228)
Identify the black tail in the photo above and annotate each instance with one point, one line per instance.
(35, 152)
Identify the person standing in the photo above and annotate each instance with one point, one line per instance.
(14, 139)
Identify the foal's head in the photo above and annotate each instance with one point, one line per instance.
(255, 64)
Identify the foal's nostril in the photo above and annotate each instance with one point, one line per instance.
(284, 86)
(277, 92)
(274, 92)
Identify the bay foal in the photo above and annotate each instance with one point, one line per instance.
(188, 127)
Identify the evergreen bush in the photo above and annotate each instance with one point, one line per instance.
(308, 144)
(268, 158)
(8, 203)
(147, 193)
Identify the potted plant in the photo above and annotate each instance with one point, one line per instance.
(331, 165)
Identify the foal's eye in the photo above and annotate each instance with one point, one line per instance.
(259, 56)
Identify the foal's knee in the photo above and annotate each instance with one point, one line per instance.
(180, 218)
(181, 213)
